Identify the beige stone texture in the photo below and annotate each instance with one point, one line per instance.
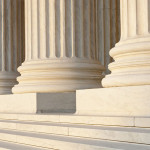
(116, 101)
(11, 42)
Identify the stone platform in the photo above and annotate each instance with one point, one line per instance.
(117, 101)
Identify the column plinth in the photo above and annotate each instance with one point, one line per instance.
(11, 43)
(61, 51)
(132, 54)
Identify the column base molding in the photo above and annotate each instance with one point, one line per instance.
(116, 101)
(38, 103)
(65, 75)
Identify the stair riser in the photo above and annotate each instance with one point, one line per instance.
(134, 137)
(73, 119)
(48, 143)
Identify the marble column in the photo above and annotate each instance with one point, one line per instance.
(11, 42)
(61, 53)
(132, 54)
(108, 29)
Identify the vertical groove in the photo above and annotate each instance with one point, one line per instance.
(42, 27)
(87, 42)
(89, 29)
(57, 29)
(29, 30)
(101, 26)
(19, 33)
(38, 26)
(14, 36)
(107, 32)
(96, 33)
(79, 28)
(62, 28)
(118, 21)
(122, 20)
(82, 28)
(68, 30)
(148, 16)
(3, 35)
(52, 28)
(8, 35)
(23, 31)
(112, 12)
(94, 22)
(26, 30)
(73, 27)
(93, 30)
(48, 26)
(34, 30)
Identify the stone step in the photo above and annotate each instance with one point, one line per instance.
(13, 146)
(81, 119)
(66, 143)
(122, 134)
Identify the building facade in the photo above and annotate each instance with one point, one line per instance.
(55, 57)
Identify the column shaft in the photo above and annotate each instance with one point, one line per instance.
(108, 29)
(132, 53)
(11, 42)
(61, 54)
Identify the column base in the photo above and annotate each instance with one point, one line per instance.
(7, 81)
(38, 103)
(58, 75)
(117, 101)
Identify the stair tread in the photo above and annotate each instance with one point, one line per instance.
(94, 142)
(13, 146)
(67, 125)
(72, 118)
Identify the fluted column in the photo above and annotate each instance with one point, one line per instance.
(132, 53)
(11, 42)
(108, 29)
(61, 51)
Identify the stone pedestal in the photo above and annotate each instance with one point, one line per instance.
(61, 51)
(11, 42)
(115, 101)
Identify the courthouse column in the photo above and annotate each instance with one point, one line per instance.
(132, 54)
(108, 29)
(61, 51)
(11, 43)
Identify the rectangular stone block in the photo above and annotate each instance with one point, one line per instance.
(117, 101)
(38, 103)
